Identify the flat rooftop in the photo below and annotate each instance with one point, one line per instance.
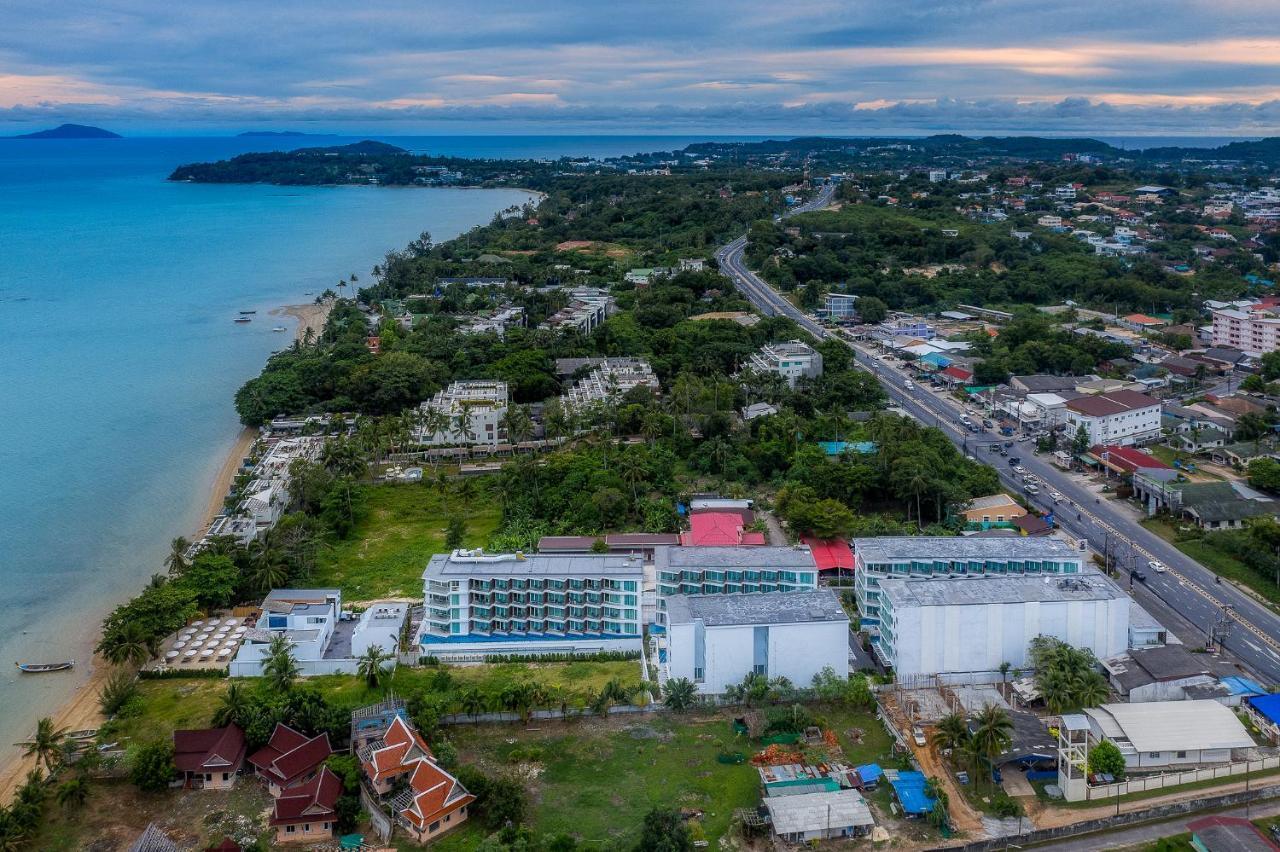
(751, 556)
(464, 564)
(761, 608)
(1003, 589)
(925, 548)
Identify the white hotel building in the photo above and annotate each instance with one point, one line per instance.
(486, 403)
(1120, 418)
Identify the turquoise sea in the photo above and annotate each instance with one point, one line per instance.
(119, 358)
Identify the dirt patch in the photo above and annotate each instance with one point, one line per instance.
(575, 245)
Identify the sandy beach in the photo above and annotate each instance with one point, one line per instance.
(310, 316)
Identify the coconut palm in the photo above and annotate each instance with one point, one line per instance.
(1089, 690)
(372, 665)
(952, 732)
(176, 561)
(992, 732)
(131, 645)
(266, 567)
(473, 703)
(280, 668)
(518, 424)
(462, 423)
(46, 745)
(233, 707)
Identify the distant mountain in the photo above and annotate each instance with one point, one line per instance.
(366, 147)
(274, 133)
(71, 131)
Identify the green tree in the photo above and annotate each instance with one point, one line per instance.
(72, 793)
(372, 665)
(234, 707)
(456, 532)
(872, 310)
(1080, 443)
(1106, 758)
(151, 766)
(1264, 473)
(664, 831)
(131, 646)
(120, 688)
(992, 732)
(46, 745)
(679, 694)
(176, 561)
(951, 732)
(280, 668)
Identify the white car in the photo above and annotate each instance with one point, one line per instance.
(1156, 566)
(917, 735)
(1055, 496)
(1019, 469)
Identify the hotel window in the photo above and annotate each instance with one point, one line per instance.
(1182, 754)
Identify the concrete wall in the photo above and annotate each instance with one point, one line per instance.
(936, 639)
(795, 651)
(473, 651)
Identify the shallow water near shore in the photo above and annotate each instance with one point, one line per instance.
(119, 359)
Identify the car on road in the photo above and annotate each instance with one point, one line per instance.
(1022, 438)
(1008, 445)
(1135, 574)
(909, 385)
(917, 736)
(1157, 566)
(987, 423)
(1014, 461)
(1017, 468)
(1055, 496)
(1031, 488)
(994, 448)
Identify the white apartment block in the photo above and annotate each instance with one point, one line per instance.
(1120, 418)
(613, 377)
(936, 626)
(1252, 331)
(486, 403)
(497, 323)
(588, 308)
(717, 640)
(792, 360)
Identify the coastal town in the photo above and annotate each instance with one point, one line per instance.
(940, 511)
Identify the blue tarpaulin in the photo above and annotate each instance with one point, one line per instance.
(870, 773)
(909, 788)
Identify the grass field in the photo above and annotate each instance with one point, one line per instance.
(595, 780)
(405, 525)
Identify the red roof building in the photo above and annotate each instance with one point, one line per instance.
(307, 812)
(830, 554)
(290, 758)
(1125, 460)
(434, 801)
(209, 758)
(958, 374)
(719, 529)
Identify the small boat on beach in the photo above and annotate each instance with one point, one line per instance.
(243, 319)
(41, 668)
(86, 734)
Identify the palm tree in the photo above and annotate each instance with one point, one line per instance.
(129, 646)
(176, 561)
(46, 745)
(517, 698)
(518, 424)
(992, 732)
(72, 792)
(473, 703)
(233, 707)
(679, 694)
(1089, 690)
(372, 665)
(462, 423)
(951, 733)
(280, 668)
(266, 567)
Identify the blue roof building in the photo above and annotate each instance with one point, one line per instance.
(909, 788)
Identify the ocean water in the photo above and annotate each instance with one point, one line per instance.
(119, 360)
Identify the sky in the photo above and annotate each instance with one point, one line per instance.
(1184, 67)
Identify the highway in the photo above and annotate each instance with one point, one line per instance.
(1186, 587)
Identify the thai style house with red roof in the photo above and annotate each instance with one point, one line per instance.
(209, 758)
(290, 758)
(433, 801)
(307, 812)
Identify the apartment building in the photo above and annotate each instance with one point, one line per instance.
(612, 377)
(792, 360)
(485, 403)
(1254, 331)
(479, 603)
(951, 557)
(731, 570)
(1121, 418)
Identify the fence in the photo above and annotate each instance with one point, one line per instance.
(1173, 779)
(569, 713)
(1159, 812)
(378, 819)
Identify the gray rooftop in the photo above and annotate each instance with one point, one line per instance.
(762, 608)
(799, 557)
(951, 548)
(1005, 589)
(462, 564)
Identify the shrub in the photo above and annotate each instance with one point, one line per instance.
(151, 766)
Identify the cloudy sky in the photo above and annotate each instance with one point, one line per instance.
(717, 66)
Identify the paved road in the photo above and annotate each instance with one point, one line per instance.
(1187, 587)
(1140, 835)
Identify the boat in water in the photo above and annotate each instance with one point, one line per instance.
(279, 328)
(246, 313)
(41, 668)
(243, 319)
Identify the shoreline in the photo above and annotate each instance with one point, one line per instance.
(80, 710)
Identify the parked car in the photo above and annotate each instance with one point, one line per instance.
(987, 423)
(917, 736)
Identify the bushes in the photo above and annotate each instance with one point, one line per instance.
(151, 766)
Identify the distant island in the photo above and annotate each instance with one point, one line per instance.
(71, 131)
(280, 133)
